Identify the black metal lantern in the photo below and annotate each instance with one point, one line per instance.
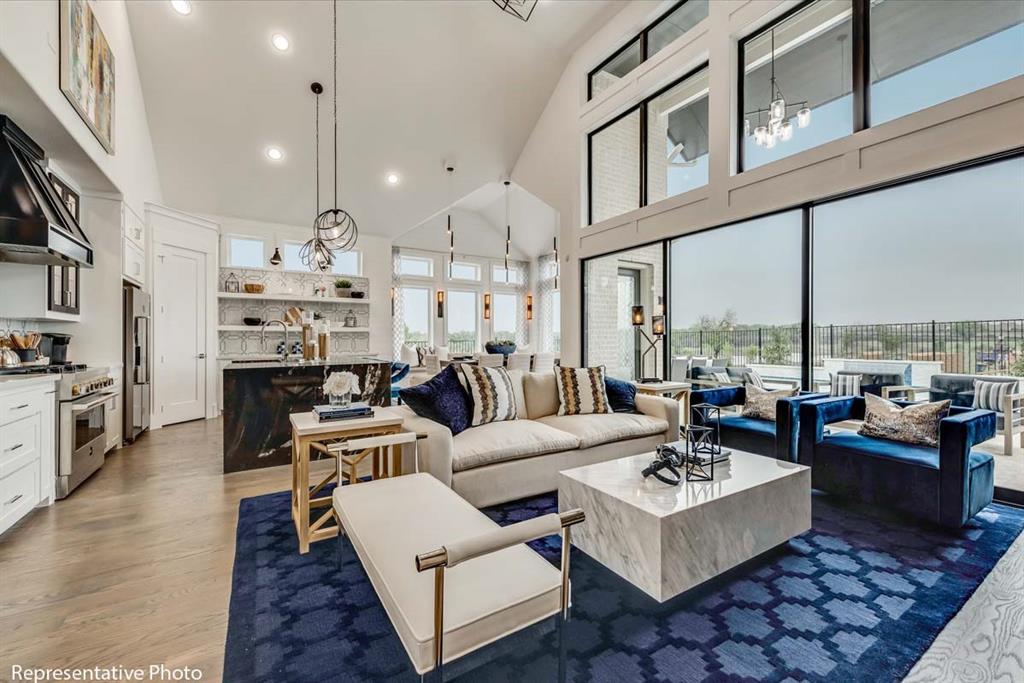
(699, 461)
(520, 9)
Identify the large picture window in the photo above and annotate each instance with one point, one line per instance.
(677, 138)
(462, 315)
(416, 316)
(750, 316)
(653, 39)
(797, 83)
(925, 52)
(669, 130)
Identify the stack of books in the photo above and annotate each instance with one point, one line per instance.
(351, 411)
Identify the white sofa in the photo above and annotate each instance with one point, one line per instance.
(502, 461)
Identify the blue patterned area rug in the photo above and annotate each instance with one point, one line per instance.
(859, 597)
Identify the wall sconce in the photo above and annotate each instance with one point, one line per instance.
(487, 306)
(275, 260)
(638, 316)
(392, 302)
(529, 306)
(440, 303)
(658, 325)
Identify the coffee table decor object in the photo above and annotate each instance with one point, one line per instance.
(707, 415)
(700, 453)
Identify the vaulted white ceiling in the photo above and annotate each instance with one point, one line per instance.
(419, 83)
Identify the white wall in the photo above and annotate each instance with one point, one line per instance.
(552, 165)
(376, 254)
(29, 40)
(29, 44)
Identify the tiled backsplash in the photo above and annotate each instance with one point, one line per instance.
(246, 343)
(8, 325)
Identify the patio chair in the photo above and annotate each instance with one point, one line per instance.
(490, 360)
(959, 389)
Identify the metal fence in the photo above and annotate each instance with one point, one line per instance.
(968, 346)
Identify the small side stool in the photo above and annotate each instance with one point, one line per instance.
(350, 452)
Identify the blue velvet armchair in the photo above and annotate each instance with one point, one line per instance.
(398, 372)
(946, 485)
(773, 439)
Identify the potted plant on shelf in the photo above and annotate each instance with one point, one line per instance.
(343, 288)
(505, 347)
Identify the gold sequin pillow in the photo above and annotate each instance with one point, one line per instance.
(760, 403)
(917, 424)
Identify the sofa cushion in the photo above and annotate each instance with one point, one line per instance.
(748, 424)
(760, 403)
(914, 424)
(621, 395)
(581, 391)
(844, 384)
(490, 393)
(990, 395)
(442, 399)
(541, 394)
(509, 440)
(596, 429)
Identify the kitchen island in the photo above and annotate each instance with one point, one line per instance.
(260, 395)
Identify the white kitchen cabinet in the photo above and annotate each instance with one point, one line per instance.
(112, 420)
(27, 447)
(134, 263)
(133, 227)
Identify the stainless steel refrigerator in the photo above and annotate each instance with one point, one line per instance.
(137, 316)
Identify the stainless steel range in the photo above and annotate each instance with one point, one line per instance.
(82, 394)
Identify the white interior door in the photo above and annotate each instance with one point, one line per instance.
(181, 323)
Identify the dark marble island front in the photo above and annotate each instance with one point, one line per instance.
(259, 397)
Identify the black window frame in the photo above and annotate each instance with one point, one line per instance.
(806, 266)
(642, 140)
(642, 36)
(859, 67)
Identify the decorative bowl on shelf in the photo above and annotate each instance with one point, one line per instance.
(505, 349)
(253, 288)
(252, 322)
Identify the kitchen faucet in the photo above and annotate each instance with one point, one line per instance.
(263, 336)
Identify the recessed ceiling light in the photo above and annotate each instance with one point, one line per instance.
(280, 42)
(275, 153)
(182, 7)
(393, 178)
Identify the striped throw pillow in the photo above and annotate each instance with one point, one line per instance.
(581, 391)
(753, 377)
(721, 377)
(990, 395)
(844, 385)
(490, 392)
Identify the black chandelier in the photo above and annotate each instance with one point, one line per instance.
(334, 229)
(520, 9)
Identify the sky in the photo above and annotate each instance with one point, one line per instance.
(947, 248)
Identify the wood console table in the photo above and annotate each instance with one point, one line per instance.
(307, 429)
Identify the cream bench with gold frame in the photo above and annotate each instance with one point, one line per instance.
(450, 579)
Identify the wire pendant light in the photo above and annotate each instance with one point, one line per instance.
(314, 254)
(334, 229)
(779, 125)
(508, 231)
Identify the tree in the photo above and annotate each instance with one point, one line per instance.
(719, 329)
(777, 350)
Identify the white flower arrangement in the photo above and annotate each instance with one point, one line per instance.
(341, 383)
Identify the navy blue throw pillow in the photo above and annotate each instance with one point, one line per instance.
(621, 395)
(441, 399)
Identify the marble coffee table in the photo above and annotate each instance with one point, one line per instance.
(667, 539)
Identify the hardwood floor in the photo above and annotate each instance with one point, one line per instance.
(134, 569)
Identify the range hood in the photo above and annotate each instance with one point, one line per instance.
(35, 226)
